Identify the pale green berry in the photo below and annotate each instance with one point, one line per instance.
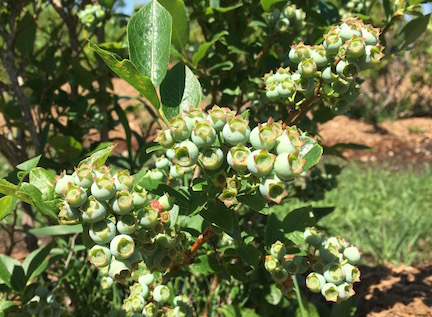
(123, 203)
(103, 188)
(162, 163)
(120, 270)
(218, 117)
(236, 131)
(289, 141)
(345, 291)
(161, 294)
(334, 273)
(193, 116)
(288, 166)
(307, 68)
(370, 34)
(237, 157)
(137, 303)
(148, 217)
(332, 41)
(166, 201)
(165, 138)
(271, 263)
(273, 189)
(203, 134)
(260, 162)
(186, 154)
(100, 256)
(352, 273)
(62, 183)
(126, 224)
(211, 158)
(75, 195)
(312, 236)
(146, 279)
(139, 197)
(93, 210)
(278, 250)
(299, 52)
(106, 282)
(328, 76)
(315, 282)
(319, 56)
(68, 212)
(102, 232)
(228, 197)
(279, 275)
(122, 246)
(263, 136)
(123, 180)
(148, 249)
(179, 129)
(83, 176)
(352, 254)
(330, 291)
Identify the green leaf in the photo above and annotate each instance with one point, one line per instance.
(98, 158)
(7, 204)
(48, 208)
(273, 231)
(126, 70)
(311, 151)
(67, 147)
(5, 305)
(237, 271)
(298, 219)
(125, 123)
(219, 216)
(310, 309)
(254, 201)
(57, 230)
(45, 264)
(149, 38)
(250, 255)
(5, 273)
(29, 164)
(179, 90)
(18, 278)
(202, 49)
(412, 31)
(274, 296)
(29, 293)
(44, 181)
(346, 308)
(267, 4)
(329, 11)
(237, 311)
(35, 259)
(8, 188)
(25, 35)
(206, 264)
(180, 22)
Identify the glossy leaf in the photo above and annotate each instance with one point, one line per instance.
(28, 165)
(35, 259)
(219, 216)
(412, 31)
(18, 278)
(47, 207)
(97, 159)
(7, 204)
(149, 38)
(311, 151)
(206, 264)
(180, 22)
(202, 49)
(44, 181)
(126, 70)
(237, 271)
(57, 230)
(267, 4)
(5, 305)
(179, 90)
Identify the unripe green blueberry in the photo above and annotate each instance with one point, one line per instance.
(328, 76)
(123, 203)
(273, 188)
(263, 136)
(62, 183)
(288, 142)
(335, 242)
(289, 11)
(165, 138)
(137, 303)
(260, 162)
(106, 282)
(282, 25)
(299, 52)
(319, 55)
(75, 195)
(349, 30)
(93, 210)
(355, 47)
(186, 154)
(286, 88)
(181, 311)
(122, 246)
(347, 69)
(177, 171)
(373, 56)
(302, 264)
(166, 201)
(370, 34)
(315, 282)
(139, 197)
(148, 217)
(272, 93)
(83, 176)
(345, 291)
(271, 263)
(146, 279)
(161, 294)
(166, 241)
(211, 158)
(332, 41)
(103, 188)
(330, 291)
(287, 166)
(140, 289)
(102, 232)
(123, 180)
(148, 249)
(334, 273)
(279, 274)
(218, 117)
(312, 236)
(282, 74)
(236, 131)
(68, 212)
(193, 116)
(120, 270)
(179, 129)
(101, 171)
(307, 68)
(352, 273)
(203, 134)
(352, 254)
(341, 85)
(100, 256)
(328, 252)
(33, 306)
(162, 163)
(126, 224)
(150, 310)
(237, 157)
(228, 197)
(156, 174)
(161, 260)
(278, 250)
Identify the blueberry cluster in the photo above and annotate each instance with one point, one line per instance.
(91, 16)
(223, 145)
(288, 17)
(332, 264)
(334, 271)
(46, 303)
(333, 65)
(148, 297)
(124, 225)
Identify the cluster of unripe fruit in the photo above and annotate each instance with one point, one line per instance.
(91, 16)
(225, 147)
(334, 65)
(46, 303)
(288, 17)
(124, 225)
(331, 266)
(148, 297)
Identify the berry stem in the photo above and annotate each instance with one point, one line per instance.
(299, 298)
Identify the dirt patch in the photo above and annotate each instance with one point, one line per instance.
(395, 291)
(400, 142)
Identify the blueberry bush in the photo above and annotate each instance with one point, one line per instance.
(204, 227)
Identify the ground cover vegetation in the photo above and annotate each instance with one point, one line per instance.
(196, 222)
